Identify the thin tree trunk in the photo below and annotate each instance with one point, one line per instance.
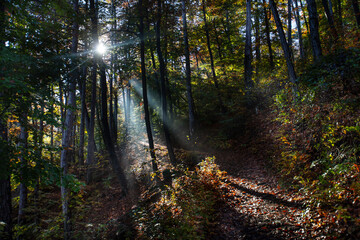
(5, 188)
(222, 107)
(306, 22)
(268, 40)
(108, 141)
(82, 87)
(314, 29)
(289, 32)
(23, 193)
(298, 25)
(188, 78)
(165, 119)
(144, 88)
(257, 40)
(285, 46)
(248, 52)
(91, 130)
(66, 138)
(355, 5)
(330, 19)
(339, 13)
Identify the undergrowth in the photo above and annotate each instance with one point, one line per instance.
(185, 208)
(319, 138)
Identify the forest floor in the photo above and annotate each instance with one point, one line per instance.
(255, 203)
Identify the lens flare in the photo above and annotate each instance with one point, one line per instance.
(101, 48)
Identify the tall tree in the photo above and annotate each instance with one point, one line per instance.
(330, 18)
(284, 45)
(267, 31)
(68, 127)
(190, 99)
(163, 85)
(248, 52)
(314, 29)
(23, 190)
(207, 34)
(91, 130)
(5, 189)
(289, 24)
(144, 86)
(109, 144)
(298, 25)
(355, 5)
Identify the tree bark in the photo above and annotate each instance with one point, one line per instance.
(82, 88)
(268, 40)
(222, 107)
(330, 19)
(289, 32)
(23, 191)
(355, 5)
(91, 130)
(108, 141)
(248, 52)
(5, 171)
(284, 45)
(298, 25)
(314, 29)
(144, 87)
(191, 106)
(68, 127)
(257, 40)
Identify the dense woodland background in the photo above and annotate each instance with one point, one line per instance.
(118, 107)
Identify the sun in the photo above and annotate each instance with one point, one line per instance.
(101, 48)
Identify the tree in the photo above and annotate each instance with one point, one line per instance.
(248, 52)
(355, 5)
(284, 45)
(68, 125)
(190, 99)
(144, 86)
(163, 86)
(5, 189)
(314, 29)
(298, 25)
(267, 31)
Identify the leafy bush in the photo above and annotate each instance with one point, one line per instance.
(185, 210)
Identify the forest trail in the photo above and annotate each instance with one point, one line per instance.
(255, 206)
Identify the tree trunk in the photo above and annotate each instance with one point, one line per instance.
(23, 193)
(91, 130)
(248, 52)
(165, 119)
(268, 40)
(222, 107)
(285, 46)
(306, 22)
(257, 40)
(314, 29)
(144, 88)
(339, 10)
(108, 141)
(289, 32)
(5, 171)
(68, 127)
(298, 25)
(355, 5)
(188, 78)
(82, 87)
(330, 19)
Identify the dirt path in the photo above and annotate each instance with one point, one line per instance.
(256, 207)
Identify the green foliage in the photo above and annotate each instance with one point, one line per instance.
(185, 210)
(319, 135)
